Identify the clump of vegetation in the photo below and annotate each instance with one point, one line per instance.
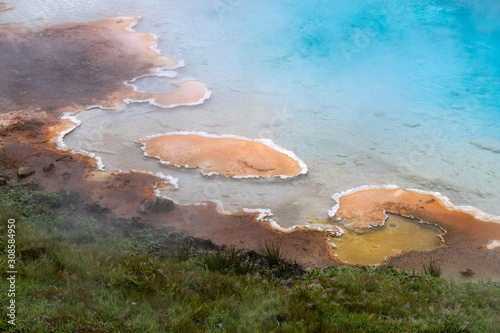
(271, 251)
(183, 250)
(432, 269)
(131, 278)
(231, 261)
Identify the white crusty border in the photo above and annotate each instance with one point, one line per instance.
(152, 101)
(265, 215)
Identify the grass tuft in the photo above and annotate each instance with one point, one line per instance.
(183, 250)
(432, 269)
(228, 262)
(271, 252)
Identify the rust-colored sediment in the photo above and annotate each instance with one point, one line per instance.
(467, 236)
(229, 157)
(70, 67)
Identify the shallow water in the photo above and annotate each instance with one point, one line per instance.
(373, 245)
(374, 92)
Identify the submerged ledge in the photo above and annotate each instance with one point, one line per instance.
(188, 93)
(226, 155)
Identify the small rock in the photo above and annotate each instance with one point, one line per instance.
(49, 168)
(156, 205)
(467, 272)
(3, 181)
(24, 172)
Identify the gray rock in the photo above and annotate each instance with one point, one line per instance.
(24, 172)
(156, 205)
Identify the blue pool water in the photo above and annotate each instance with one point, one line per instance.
(365, 92)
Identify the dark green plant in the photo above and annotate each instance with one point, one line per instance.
(271, 251)
(183, 250)
(281, 270)
(432, 269)
(227, 262)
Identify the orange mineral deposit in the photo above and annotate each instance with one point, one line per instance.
(227, 155)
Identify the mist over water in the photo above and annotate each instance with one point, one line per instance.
(377, 92)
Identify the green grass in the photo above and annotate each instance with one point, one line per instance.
(84, 272)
